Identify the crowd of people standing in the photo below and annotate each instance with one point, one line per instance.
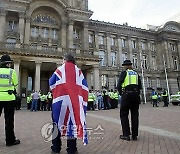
(38, 101)
(103, 100)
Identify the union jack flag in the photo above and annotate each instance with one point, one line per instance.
(70, 96)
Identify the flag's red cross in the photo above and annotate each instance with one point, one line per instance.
(73, 90)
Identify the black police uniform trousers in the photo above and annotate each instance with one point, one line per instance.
(9, 120)
(165, 100)
(130, 102)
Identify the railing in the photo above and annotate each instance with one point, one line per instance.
(48, 51)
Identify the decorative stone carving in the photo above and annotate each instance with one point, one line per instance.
(3, 12)
(21, 14)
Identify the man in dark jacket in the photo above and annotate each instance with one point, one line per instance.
(129, 86)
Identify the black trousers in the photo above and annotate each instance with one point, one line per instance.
(105, 101)
(165, 100)
(56, 143)
(8, 107)
(90, 105)
(130, 102)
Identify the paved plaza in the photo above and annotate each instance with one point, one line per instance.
(159, 132)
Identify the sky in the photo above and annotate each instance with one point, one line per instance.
(136, 13)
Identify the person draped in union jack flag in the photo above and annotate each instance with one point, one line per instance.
(70, 95)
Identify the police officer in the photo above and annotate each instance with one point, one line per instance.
(165, 98)
(8, 84)
(154, 98)
(129, 86)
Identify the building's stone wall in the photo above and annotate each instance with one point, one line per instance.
(64, 26)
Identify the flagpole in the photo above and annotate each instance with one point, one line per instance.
(142, 72)
(167, 83)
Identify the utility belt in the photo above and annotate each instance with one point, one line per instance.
(10, 92)
(125, 91)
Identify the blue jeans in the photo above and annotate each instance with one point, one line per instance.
(34, 104)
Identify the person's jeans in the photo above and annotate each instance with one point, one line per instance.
(34, 105)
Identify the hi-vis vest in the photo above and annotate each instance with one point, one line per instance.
(8, 81)
(155, 96)
(131, 78)
(91, 97)
(165, 95)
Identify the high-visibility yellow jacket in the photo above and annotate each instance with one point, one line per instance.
(43, 97)
(164, 94)
(155, 96)
(131, 78)
(116, 95)
(91, 97)
(8, 81)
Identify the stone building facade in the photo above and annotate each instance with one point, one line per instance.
(37, 33)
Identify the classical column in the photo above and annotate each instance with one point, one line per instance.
(108, 49)
(150, 56)
(2, 24)
(70, 34)
(140, 52)
(85, 36)
(119, 53)
(170, 56)
(17, 68)
(27, 31)
(63, 34)
(96, 52)
(21, 26)
(37, 76)
(96, 77)
(130, 48)
(166, 56)
(178, 50)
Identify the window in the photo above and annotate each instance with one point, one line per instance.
(90, 38)
(104, 81)
(135, 61)
(12, 26)
(113, 41)
(116, 81)
(11, 42)
(133, 44)
(34, 32)
(124, 57)
(123, 43)
(143, 45)
(102, 57)
(76, 33)
(113, 58)
(152, 46)
(175, 63)
(173, 47)
(54, 34)
(144, 62)
(149, 82)
(158, 82)
(101, 39)
(154, 66)
(29, 84)
(45, 32)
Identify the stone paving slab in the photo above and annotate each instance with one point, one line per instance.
(104, 135)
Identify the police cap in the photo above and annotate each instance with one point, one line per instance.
(6, 59)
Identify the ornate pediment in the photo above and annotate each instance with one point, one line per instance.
(172, 26)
